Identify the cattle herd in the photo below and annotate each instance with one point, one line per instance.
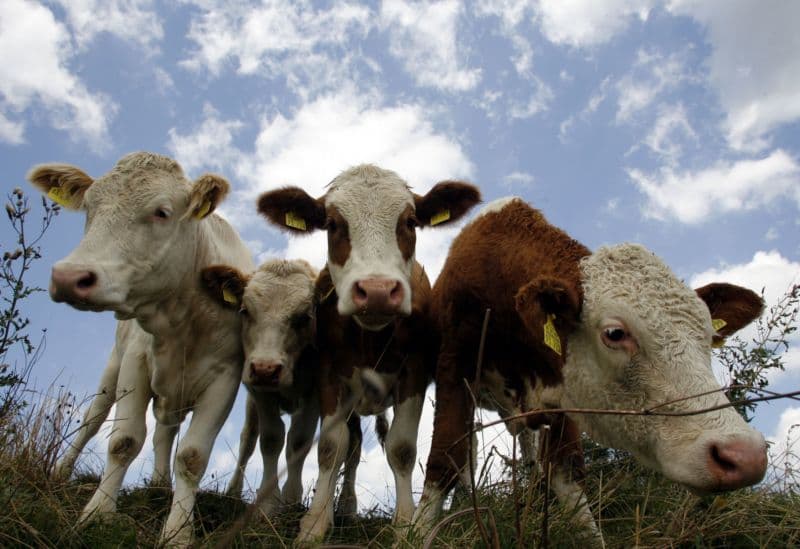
(559, 327)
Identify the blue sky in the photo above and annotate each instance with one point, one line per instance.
(673, 124)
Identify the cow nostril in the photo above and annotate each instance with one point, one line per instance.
(360, 292)
(87, 281)
(723, 463)
(397, 291)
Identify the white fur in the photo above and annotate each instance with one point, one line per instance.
(496, 205)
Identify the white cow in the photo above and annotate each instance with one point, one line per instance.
(130, 340)
(149, 233)
(281, 368)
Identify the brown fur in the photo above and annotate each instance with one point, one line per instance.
(339, 246)
(274, 204)
(736, 306)
(523, 269)
(222, 277)
(69, 178)
(456, 196)
(406, 233)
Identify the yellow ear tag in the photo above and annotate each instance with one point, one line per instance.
(203, 211)
(295, 221)
(440, 217)
(229, 297)
(551, 338)
(60, 196)
(718, 324)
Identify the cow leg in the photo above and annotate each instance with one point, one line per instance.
(247, 445)
(561, 449)
(94, 417)
(163, 437)
(332, 451)
(452, 422)
(271, 436)
(298, 443)
(347, 506)
(127, 436)
(209, 414)
(527, 441)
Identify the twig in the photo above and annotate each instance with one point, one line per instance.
(517, 523)
(547, 469)
(431, 537)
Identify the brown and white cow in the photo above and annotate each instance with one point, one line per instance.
(130, 348)
(149, 232)
(613, 329)
(281, 366)
(374, 334)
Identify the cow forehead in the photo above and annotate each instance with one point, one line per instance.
(630, 278)
(366, 194)
(281, 286)
(137, 179)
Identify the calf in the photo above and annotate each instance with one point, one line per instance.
(613, 329)
(130, 340)
(149, 232)
(374, 334)
(276, 304)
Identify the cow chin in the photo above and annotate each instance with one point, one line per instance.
(373, 323)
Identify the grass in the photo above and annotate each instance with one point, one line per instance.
(636, 508)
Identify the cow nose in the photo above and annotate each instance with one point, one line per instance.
(72, 284)
(737, 463)
(264, 372)
(378, 296)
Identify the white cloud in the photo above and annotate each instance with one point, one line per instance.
(34, 50)
(693, 197)
(594, 102)
(423, 35)
(756, 71)
(587, 23)
(11, 132)
(670, 129)
(132, 20)
(651, 75)
(313, 49)
(211, 146)
(522, 179)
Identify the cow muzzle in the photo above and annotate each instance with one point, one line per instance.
(377, 300)
(265, 373)
(74, 286)
(736, 463)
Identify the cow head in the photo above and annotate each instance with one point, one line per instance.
(371, 217)
(140, 232)
(276, 306)
(641, 338)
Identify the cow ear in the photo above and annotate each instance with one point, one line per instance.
(225, 284)
(446, 202)
(207, 193)
(64, 184)
(549, 309)
(732, 307)
(292, 210)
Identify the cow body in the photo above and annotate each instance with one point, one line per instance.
(373, 330)
(281, 369)
(130, 340)
(614, 329)
(148, 235)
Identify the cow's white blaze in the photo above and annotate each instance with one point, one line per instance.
(371, 200)
(671, 327)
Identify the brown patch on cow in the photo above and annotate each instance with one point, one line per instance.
(338, 237)
(274, 205)
(406, 232)
(515, 263)
(737, 306)
(192, 461)
(456, 197)
(402, 455)
(561, 445)
(217, 279)
(123, 448)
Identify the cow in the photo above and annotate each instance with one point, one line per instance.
(149, 232)
(568, 328)
(280, 370)
(374, 333)
(130, 340)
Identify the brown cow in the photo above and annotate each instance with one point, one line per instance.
(570, 328)
(374, 335)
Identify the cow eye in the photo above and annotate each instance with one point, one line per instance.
(244, 312)
(161, 213)
(614, 337)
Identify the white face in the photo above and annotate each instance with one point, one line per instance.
(277, 322)
(371, 241)
(645, 339)
(136, 239)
